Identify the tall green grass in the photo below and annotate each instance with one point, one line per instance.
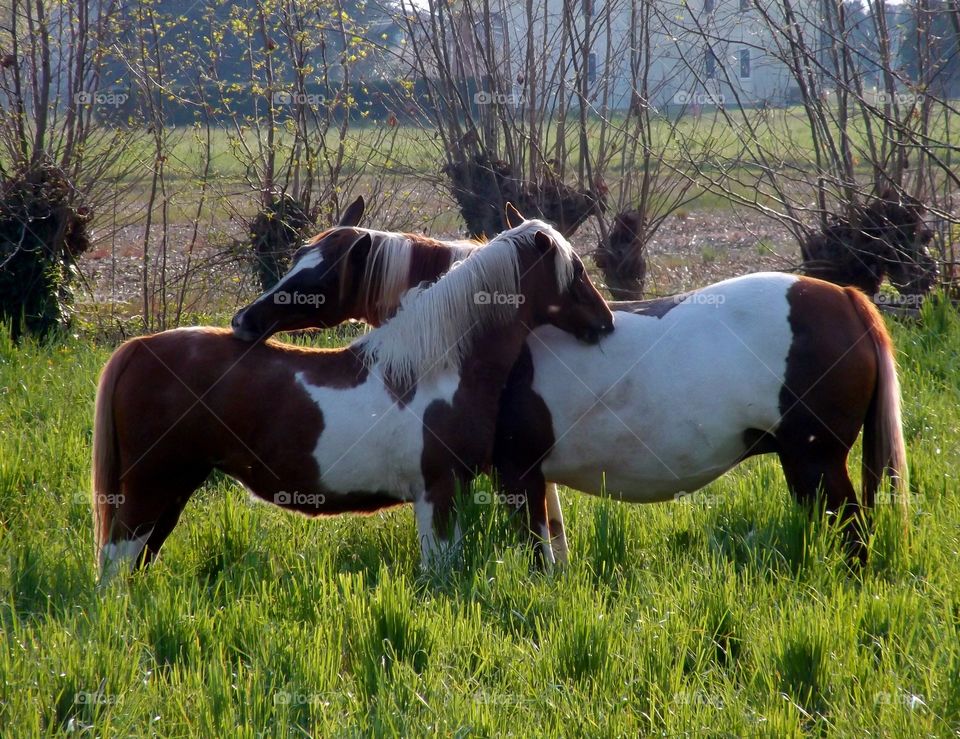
(728, 613)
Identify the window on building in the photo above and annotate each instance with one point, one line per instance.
(710, 64)
(591, 68)
(708, 6)
(744, 64)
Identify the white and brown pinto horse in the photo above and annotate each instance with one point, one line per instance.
(406, 413)
(691, 385)
(686, 388)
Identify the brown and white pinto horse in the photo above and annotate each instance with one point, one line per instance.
(406, 413)
(690, 385)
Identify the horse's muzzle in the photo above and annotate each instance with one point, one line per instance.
(242, 332)
(592, 335)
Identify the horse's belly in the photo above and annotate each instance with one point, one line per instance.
(637, 452)
(637, 474)
(660, 409)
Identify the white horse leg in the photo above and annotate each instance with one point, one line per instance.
(546, 548)
(558, 535)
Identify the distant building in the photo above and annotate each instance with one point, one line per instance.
(702, 52)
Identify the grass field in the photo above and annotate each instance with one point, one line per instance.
(726, 614)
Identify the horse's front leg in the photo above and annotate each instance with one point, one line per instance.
(437, 527)
(558, 534)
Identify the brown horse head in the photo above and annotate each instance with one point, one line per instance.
(320, 289)
(347, 272)
(569, 301)
(578, 307)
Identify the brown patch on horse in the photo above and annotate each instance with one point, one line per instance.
(757, 441)
(402, 395)
(448, 443)
(836, 359)
(829, 384)
(524, 439)
(430, 260)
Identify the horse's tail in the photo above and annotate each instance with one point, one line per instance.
(883, 447)
(106, 453)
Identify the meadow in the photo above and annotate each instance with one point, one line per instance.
(727, 613)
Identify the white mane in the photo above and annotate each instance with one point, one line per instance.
(387, 274)
(436, 325)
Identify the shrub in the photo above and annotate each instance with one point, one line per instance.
(43, 230)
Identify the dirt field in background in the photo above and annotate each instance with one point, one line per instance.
(690, 250)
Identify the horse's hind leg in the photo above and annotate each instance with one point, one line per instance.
(139, 521)
(823, 482)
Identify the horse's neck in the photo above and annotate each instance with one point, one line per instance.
(428, 263)
(484, 371)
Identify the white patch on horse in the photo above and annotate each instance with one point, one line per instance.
(370, 442)
(435, 552)
(429, 547)
(310, 260)
(116, 556)
(543, 533)
(663, 403)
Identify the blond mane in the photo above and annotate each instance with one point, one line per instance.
(387, 275)
(436, 325)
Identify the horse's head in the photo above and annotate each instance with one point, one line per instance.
(322, 287)
(556, 287)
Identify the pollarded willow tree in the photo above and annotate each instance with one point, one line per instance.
(58, 164)
(832, 119)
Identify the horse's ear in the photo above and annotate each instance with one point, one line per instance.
(514, 218)
(354, 212)
(543, 242)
